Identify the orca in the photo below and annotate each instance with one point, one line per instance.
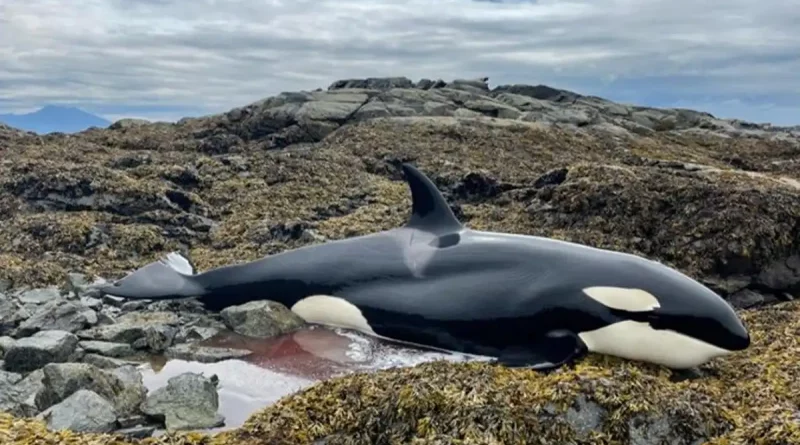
(518, 300)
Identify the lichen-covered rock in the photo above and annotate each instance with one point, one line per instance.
(122, 386)
(39, 296)
(108, 349)
(80, 285)
(17, 394)
(83, 411)
(31, 353)
(9, 396)
(104, 362)
(58, 314)
(189, 334)
(261, 318)
(189, 401)
(8, 314)
(141, 330)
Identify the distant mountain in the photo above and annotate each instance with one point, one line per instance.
(54, 118)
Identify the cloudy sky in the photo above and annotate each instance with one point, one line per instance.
(165, 59)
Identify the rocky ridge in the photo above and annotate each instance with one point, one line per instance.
(718, 199)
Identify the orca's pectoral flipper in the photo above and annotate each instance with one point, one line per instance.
(552, 351)
(169, 277)
(429, 209)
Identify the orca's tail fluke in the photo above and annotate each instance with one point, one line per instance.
(172, 276)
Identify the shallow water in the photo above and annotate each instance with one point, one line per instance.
(283, 365)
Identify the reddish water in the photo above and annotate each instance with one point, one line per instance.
(283, 365)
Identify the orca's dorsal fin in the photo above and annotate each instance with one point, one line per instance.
(429, 210)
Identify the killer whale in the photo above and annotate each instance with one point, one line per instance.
(525, 301)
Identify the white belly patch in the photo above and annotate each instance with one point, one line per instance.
(332, 311)
(638, 341)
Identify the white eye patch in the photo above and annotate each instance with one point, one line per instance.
(623, 298)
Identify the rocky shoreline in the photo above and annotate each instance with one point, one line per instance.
(717, 199)
(69, 356)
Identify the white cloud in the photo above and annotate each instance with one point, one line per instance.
(213, 55)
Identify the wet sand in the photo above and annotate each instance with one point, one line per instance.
(283, 365)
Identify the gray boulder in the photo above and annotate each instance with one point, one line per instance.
(58, 314)
(31, 353)
(122, 386)
(104, 362)
(205, 354)
(9, 398)
(493, 108)
(189, 401)
(17, 393)
(84, 411)
(189, 334)
(108, 349)
(39, 296)
(142, 330)
(80, 285)
(373, 83)
(8, 314)
(261, 318)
